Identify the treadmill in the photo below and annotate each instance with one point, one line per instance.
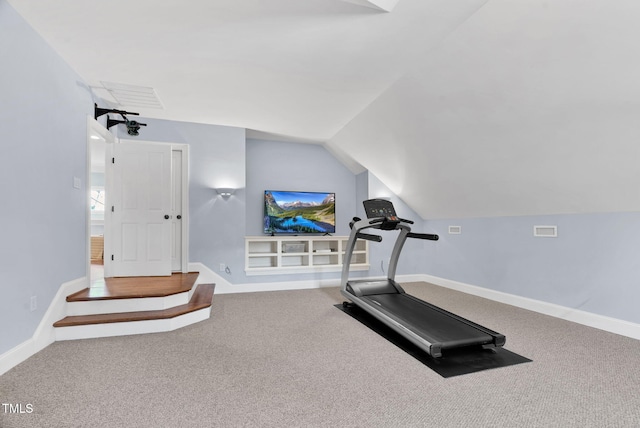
(431, 328)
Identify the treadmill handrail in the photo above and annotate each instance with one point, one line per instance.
(428, 236)
(356, 228)
(383, 219)
(369, 237)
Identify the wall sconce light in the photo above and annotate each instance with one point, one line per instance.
(226, 192)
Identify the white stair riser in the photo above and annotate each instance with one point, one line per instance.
(116, 306)
(131, 327)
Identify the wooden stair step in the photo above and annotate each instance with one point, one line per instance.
(201, 299)
(136, 287)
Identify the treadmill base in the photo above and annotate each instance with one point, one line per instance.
(454, 362)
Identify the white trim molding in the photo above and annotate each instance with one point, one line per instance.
(16, 355)
(613, 325)
(223, 286)
(45, 334)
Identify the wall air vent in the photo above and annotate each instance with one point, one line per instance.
(545, 231)
(455, 230)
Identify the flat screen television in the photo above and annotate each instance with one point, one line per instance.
(299, 212)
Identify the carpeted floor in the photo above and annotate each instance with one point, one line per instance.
(290, 359)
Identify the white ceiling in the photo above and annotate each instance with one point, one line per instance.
(464, 108)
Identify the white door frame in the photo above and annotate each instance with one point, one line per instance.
(95, 128)
(184, 224)
(184, 148)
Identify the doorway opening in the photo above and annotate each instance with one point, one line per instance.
(102, 193)
(98, 140)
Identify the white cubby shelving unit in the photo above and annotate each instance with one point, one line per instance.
(271, 255)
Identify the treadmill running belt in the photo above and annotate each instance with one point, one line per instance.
(453, 363)
(428, 321)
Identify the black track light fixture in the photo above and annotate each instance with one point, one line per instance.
(111, 122)
(98, 111)
(132, 126)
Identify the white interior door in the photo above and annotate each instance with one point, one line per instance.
(141, 213)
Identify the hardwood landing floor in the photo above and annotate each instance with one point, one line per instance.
(135, 287)
(102, 289)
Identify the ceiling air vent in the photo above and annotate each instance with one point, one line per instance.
(133, 96)
(545, 231)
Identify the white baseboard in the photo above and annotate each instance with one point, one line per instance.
(16, 355)
(225, 287)
(44, 334)
(613, 325)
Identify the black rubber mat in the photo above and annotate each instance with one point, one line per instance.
(454, 362)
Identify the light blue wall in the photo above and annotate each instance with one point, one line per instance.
(412, 256)
(592, 265)
(216, 160)
(273, 165)
(43, 115)
(218, 156)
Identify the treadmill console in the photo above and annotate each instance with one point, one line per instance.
(382, 209)
(375, 208)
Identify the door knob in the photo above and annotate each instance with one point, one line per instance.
(179, 216)
(167, 216)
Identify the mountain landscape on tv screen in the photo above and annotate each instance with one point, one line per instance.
(291, 212)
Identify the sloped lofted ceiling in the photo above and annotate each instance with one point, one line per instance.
(386, 5)
(298, 68)
(464, 108)
(529, 108)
